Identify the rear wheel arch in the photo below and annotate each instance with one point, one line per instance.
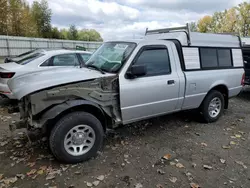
(212, 106)
(223, 89)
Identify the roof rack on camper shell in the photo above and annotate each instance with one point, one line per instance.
(188, 38)
(185, 29)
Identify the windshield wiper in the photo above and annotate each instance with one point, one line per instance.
(95, 67)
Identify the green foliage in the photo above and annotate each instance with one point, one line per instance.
(243, 17)
(193, 26)
(205, 24)
(233, 20)
(42, 16)
(64, 33)
(72, 33)
(84, 35)
(29, 27)
(17, 18)
(89, 35)
(14, 17)
(56, 34)
(3, 16)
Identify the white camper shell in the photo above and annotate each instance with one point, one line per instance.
(192, 42)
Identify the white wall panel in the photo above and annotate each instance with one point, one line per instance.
(3, 52)
(191, 58)
(237, 57)
(3, 43)
(19, 44)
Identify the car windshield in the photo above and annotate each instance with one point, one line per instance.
(110, 56)
(29, 58)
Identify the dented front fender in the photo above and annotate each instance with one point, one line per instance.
(55, 111)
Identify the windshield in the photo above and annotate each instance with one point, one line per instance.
(29, 58)
(110, 56)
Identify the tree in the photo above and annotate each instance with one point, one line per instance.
(18, 18)
(233, 20)
(217, 22)
(14, 17)
(193, 26)
(64, 33)
(229, 21)
(72, 33)
(3, 17)
(56, 34)
(243, 17)
(89, 35)
(42, 15)
(29, 26)
(204, 24)
(94, 35)
(84, 35)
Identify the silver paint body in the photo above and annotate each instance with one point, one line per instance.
(145, 97)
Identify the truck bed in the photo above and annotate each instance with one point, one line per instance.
(198, 83)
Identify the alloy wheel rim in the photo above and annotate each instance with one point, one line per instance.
(214, 107)
(79, 140)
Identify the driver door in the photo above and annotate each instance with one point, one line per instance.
(156, 92)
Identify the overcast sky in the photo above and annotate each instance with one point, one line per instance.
(119, 19)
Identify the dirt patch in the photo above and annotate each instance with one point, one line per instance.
(170, 151)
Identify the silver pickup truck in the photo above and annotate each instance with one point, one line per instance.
(127, 81)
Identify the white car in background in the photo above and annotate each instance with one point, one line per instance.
(39, 61)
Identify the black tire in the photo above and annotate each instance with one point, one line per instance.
(205, 106)
(65, 124)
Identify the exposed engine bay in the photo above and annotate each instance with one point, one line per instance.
(102, 92)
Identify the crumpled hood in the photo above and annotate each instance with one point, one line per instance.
(30, 82)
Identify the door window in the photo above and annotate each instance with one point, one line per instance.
(156, 60)
(46, 63)
(65, 60)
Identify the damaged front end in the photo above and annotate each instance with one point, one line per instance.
(39, 108)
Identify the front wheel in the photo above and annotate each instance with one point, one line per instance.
(212, 106)
(76, 137)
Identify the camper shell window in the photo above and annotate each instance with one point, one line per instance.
(212, 58)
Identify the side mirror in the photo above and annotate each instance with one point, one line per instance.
(136, 71)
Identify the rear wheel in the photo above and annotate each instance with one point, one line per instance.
(212, 106)
(76, 137)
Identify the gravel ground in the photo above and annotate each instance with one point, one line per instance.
(171, 151)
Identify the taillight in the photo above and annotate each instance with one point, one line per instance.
(243, 80)
(7, 74)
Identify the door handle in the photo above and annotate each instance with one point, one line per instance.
(170, 82)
